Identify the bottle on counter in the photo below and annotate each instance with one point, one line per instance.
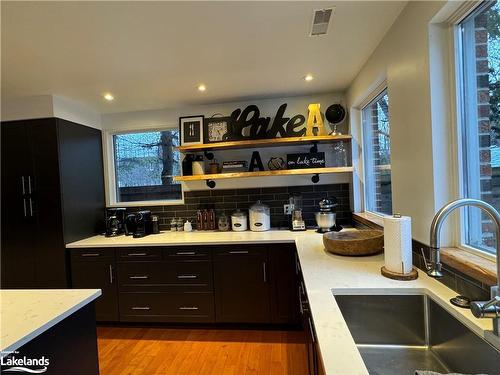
(199, 220)
(188, 227)
(211, 219)
(173, 225)
(155, 226)
(204, 221)
(180, 225)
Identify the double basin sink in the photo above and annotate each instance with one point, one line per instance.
(400, 334)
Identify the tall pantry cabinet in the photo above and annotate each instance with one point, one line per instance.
(52, 194)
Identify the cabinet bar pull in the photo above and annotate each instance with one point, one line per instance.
(24, 206)
(264, 271)
(140, 308)
(31, 207)
(29, 184)
(91, 254)
(22, 183)
(187, 276)
(139, 277)
(185, 253)
(110, 274)
(239, 252)
(137, 254)
(189, 308)
(311, 329)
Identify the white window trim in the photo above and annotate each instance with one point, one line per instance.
(365, 102)
(458, 91)
(109, 170)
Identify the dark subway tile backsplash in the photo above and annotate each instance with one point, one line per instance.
(227, 200)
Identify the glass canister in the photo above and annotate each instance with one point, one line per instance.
(260, 217)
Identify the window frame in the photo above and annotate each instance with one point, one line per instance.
(461, 130)
(374, 95)
(110, 170)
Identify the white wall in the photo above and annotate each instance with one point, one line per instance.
(42, 106)
(402, 60)
(268, 107)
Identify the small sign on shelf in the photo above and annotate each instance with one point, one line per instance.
(305, 160)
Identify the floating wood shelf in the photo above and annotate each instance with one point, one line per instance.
(288, 141)
(286, 172)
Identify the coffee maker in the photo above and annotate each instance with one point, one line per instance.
(115, 221)
(138, 224)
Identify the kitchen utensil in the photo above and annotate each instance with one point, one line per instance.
(260, 217)
(298, 223)
(325, 218)
(115, 221)
(239, 221)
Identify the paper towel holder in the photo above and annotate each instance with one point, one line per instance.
(412, 275)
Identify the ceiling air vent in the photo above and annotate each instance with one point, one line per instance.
(321, 20)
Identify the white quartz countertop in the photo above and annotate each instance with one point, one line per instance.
(324, 275)
(25, 314)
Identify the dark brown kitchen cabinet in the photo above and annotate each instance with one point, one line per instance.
(52, 194)
(242, 285)
(283, 278)
(96, 269)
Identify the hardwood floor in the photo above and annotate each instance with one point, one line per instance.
(158, 351)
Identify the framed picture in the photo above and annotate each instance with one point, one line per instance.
(191, 130)
(215, 129)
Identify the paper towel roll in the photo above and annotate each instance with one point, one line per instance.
(397, 244)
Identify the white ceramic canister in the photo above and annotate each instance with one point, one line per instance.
(260, 217)
(239, 221)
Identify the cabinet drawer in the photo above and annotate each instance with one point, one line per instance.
(188, 253)
(92, 254)
(196, 273)
(133, 254)
(167, 307)
(239, 250)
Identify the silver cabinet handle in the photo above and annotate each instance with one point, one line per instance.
(139, 277)
(24, 206)
(22, 183)
(239, 252)
(111, 274)
(31, 207)
(185, 253)
(91, 255)
(311, 329)
(300, 301)
(187, 276)
(140, 308)
(264, 271)
(189, 308)
(29, 184)
(137, 254)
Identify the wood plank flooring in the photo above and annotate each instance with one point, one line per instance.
(180, 351)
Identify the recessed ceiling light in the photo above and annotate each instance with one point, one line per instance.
(308, 78)
(202, 87)
(108, 97)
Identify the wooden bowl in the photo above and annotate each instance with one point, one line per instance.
(354, 242)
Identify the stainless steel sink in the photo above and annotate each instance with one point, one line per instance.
(400, 334)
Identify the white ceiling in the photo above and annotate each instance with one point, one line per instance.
(153, 54)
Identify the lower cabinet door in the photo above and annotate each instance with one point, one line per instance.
(98, 275)
(241, 279)
(197, 307)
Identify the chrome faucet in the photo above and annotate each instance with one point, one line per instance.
(480, 309)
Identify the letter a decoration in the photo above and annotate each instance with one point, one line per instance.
(314, 120)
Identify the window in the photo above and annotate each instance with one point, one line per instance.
(145, 164)
(377, 155)
(479, 41)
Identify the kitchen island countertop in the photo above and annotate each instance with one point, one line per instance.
(25, 314)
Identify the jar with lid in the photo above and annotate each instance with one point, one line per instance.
(239, 221)
(260, 217)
